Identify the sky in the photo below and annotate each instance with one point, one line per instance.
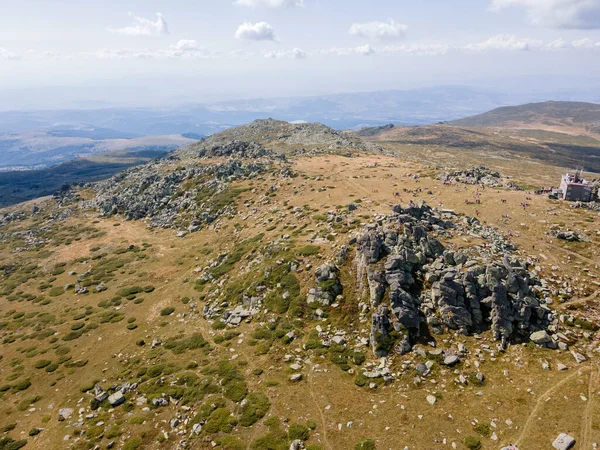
(155, 51)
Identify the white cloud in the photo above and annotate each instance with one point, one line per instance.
(8, 56)
(144, 27)
(294, 53)
(240, 54)
(505, 42)
(363, 50)
(274, 4)
(379, 31)
(586, 44)
(558, 44)
(574, 14)
(119, 53)
(260, 31)
(299, 53)
(418, 49)
(186, 48)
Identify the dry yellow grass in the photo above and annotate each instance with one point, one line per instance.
(396, 415)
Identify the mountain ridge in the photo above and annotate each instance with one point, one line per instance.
(560, 116)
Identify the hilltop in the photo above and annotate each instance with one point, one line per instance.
(564, 134)
(573, 118)
(285, 137)
(287, 286)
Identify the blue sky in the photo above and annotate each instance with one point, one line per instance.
(200, 50)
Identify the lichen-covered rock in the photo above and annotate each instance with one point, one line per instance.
(328, 285)
(427, 283)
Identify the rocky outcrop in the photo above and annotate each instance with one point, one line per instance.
(413, 281)
(233, 149)
(328, 285)
(302, 137)
(477, 175)
(163, 193)
(572, 236)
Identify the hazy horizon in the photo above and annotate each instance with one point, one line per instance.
(154, 53)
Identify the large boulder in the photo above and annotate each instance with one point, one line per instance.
(328, 285)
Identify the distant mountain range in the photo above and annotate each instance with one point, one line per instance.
(566, 134)
(339, 111)
(576, 118)
(36, 149)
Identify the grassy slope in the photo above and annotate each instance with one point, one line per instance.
(554, 148)
(394, 415)
(577, 114)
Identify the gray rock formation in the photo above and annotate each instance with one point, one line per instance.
(328, 285)
(477, 175)
(413, 280)
(166, 193)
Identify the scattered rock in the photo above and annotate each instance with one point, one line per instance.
(563, 442)
(116, 399)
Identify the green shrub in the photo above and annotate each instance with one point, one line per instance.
(27, 402)
(89, 386)
(22, 385)
(56, 291)
(308, 250)
(113, 432)
(256, 407)
(230, 443)
(220, 420)
(298, 431)
(360, 380)
(167, 311)
(7, 443)
(365, 444)
(62, 350)
(126, 292)
(52, 367)
(472, 443)
(181, 345)
(483, 429)
(9, 427)
(42, 363)
(132, 443)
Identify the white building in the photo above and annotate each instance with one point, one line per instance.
(575, 188)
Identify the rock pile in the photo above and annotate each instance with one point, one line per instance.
(155, 191)
(477, 175)
(572, 236)
(413, 281)
(233, 149)
(328, 285)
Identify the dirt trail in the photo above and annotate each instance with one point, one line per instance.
(542, 400)
(557, 250)
(323, 420)
(588, 415)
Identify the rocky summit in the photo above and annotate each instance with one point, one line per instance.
(288, 286)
